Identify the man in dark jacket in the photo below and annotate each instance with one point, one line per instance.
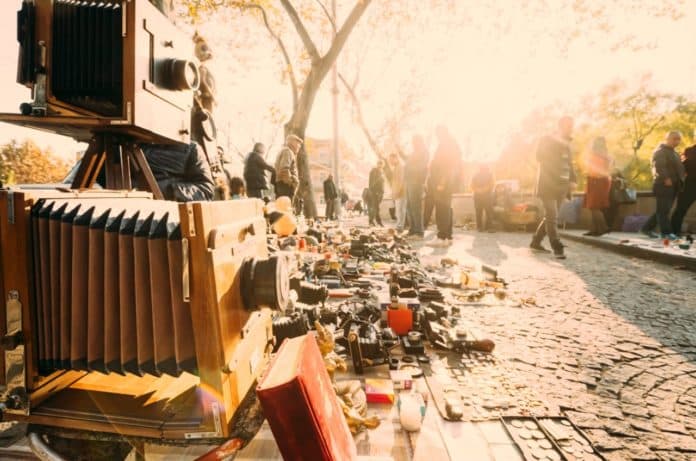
(181, 171)
(255, 169)
(556, 181)
(376, 186)
(668, 177)
(688, 194)
(330, 197)
(416, 170)
(445, 174)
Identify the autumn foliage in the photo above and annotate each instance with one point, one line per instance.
(26, 163)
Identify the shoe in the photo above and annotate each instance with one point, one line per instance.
(650, 234)
(670, 236)
(558, 253)
(537, 247)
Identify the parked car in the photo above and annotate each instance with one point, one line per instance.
(514, 209)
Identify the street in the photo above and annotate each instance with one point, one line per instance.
(606, 339)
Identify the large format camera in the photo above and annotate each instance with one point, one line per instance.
(117, 66)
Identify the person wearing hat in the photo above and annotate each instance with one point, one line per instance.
(255, 169)
(287, 178)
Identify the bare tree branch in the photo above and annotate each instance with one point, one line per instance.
(346, 28)
(281, 46)
(301, 30)
(329, 16)
(359, 117)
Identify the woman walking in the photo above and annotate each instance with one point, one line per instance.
(597, 164)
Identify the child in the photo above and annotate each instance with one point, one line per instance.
(237, 189)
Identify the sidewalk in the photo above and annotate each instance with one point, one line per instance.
(640, 246)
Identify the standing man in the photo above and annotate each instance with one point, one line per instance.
(556, 181)
(688, 194)
(286, 167)
(482, 185)
(255, 169)
(444, 172)
(376, 186)
(668, 178)
(398, 189)
(330, 197)
(416, 170)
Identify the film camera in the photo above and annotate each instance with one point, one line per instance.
(117, 66)
(125, 316)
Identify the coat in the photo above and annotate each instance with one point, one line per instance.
(376, 183)
(181, 171)
(555, 167)
(667, 165)
(286, 168)
(416, 168)
(330, 192)
(397, 181)
(445, 169)
(255, 172)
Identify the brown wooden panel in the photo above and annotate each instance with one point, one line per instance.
(79, 298)
(143, 303)
(65, 280)
(112, 321)
(40, 327)
(54, 226)
(160, 298)
(95, 298)
(45, 356)
(183, 326)
(126, 287)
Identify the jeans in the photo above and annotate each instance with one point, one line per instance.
(414, 194)
(549, 225)
(684, 201)
(443, 215)
(428, 207)
(400, 206)
(483, 203)
(373, 209)
(664, 198)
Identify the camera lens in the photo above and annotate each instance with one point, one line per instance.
(180, 75)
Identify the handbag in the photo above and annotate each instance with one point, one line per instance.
(625, 195)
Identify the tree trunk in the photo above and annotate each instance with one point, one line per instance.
(297, 125)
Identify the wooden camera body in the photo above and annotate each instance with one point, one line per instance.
(117, 66)
(125, 315)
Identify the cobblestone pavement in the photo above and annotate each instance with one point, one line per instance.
(611, 341)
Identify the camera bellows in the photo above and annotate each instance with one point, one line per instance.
(88, 55)
(109, 287)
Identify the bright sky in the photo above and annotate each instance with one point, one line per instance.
(480, 86)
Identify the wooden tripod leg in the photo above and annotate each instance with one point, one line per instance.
(113, 166)
(138, 157)
(90, 165)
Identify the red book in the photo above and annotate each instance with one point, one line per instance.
(301, 406)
